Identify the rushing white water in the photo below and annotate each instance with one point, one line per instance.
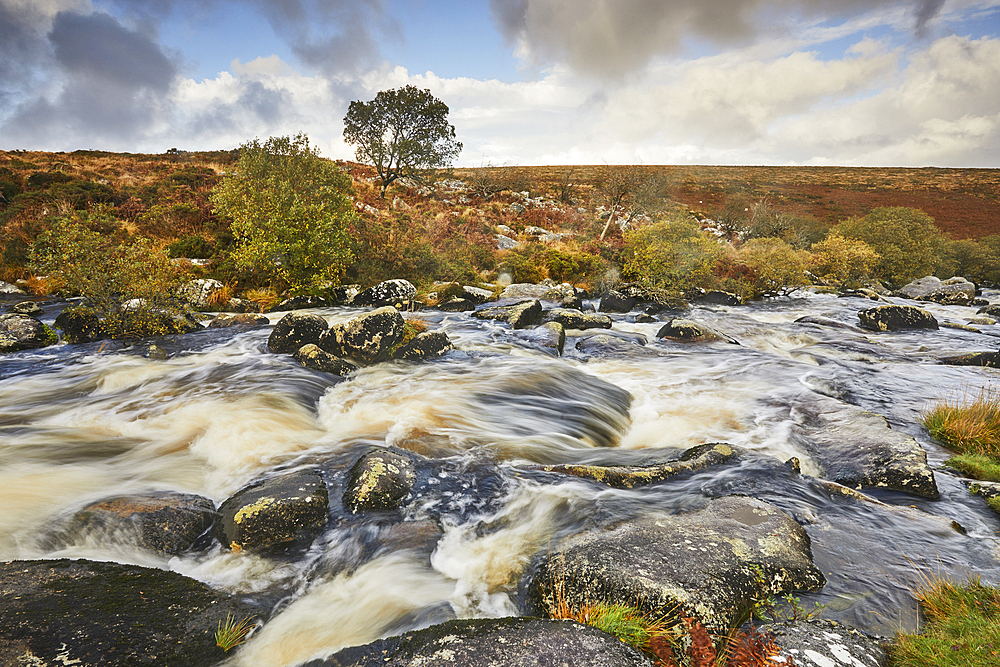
(80, 423)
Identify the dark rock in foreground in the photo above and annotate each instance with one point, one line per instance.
(379, 482)
(273, 511)
(711, 564)
(168, 523)
(426, 345)
(313, 357)
(501, 642)
(895, 318)
(295, 330)
(21, 332)
(90, 614)
(616, 302)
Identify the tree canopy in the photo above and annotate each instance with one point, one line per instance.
(290, 211)
(907, 241)
(401, 132)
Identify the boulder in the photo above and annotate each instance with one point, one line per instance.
(236, 305)
(366, 339)
(613, 344)
(343, 295)
(273, 511)
(954, 291)
(549, 337)
(575, 319)
(896, 318)
(312, 356)
(22, 332)
(295, 330)
(426, 345)
(493, 642)
(476, 294)
(689, 331)
(379, 481)
(86, 613)
(29, 308)
(993, 310)
(7, 288)
(386, 293)
(199, 293)
(823, 643)
(524, 291)
(985, 359)
(225, 320)
(81, 324)
(456, 305)
(720, 298)
(616, 302)
(301, 303)
(711, 564)
(506, 243)
(519, 315)
(168, 523)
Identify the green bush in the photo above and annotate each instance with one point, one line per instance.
(908, 243)
(977, 260)
(776, 268)
(673, 256)
(843, 260)
(290, 214)
(192, 247)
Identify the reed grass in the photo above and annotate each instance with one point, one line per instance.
(231, 633)
(969, 425)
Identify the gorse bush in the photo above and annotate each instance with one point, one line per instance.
(670, 256)
(845, 261)
(290, 214)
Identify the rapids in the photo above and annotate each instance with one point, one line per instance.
(79, 423)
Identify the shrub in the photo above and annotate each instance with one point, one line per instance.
(393, 246)
(977, 259)
(843, 260)
(290, 211)
(776, 268)
(672, 256)
(908, 243)
(192, 247)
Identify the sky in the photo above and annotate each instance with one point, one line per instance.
(527, 82)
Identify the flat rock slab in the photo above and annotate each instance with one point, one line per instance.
(502, 642)
(519, 315)
(273, 511)
(575, 319)
(896, 318)
(711, 564)
(689, 331)
(168, 523)
(823, 643)
(89, 614)
(858, 449)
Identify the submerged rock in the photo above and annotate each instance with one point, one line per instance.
(710, 564)
(90, 614)
(985, 359)
(379, 482)
(519, 315)
(273, 511)
(489, 642)
(167, 522)
(295, 330)
(22, 332)
(366, 339)
(895, 318)
(549, 337)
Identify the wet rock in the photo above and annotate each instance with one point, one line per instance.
(574, 302)
(169, 523)
(476, 294)
(426, 345)
(895, 318)
(21, 332)
(86, 613)
(629, 477)
(456, 305)
(519, 315)
(295, 330)
(982, 320)
(689, 331)
(199, 293)
(710, 564)
(720, 298)
(379, 481)
(827, 322)
(489, 642)
(857, 448)
(366, 339)
(81, 325)
(549, 337)
(822, 643)
(575, 319)
(225, 320)
(954, 291)
(273, 511)
(386, 293)
(993, 310)
(301, 303)
(613, 344)
(343, 295)
(313, 357)
(986, 359)
(156, 353)
(616, 302)
(29, 308)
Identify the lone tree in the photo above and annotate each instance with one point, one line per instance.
(401, 132)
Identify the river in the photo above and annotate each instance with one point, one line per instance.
(79, 423)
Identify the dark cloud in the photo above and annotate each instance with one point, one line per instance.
(612, 39)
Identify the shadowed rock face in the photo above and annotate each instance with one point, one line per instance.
(712, 564)
(896, 318)
(85, 613)
(616, 302)
(295, 330)
(503, 642)
(273, 511)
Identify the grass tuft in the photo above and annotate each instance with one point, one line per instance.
(968, 425)
(231, 633)
(976, 466)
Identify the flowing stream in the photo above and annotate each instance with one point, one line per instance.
(80, 423)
